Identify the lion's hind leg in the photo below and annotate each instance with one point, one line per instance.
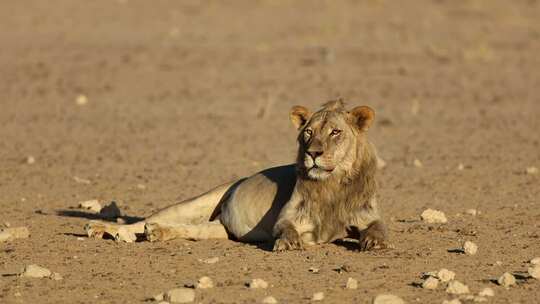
(210, 230)
(118, 232)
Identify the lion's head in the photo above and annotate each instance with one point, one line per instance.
(331, 139)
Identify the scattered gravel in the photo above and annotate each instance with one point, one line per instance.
(35, 271)
(269, 300)
(487, 292)
(179, 295)
(470, 248)
(318, 296)
(258, 283)
(433, 216)
(388, 299)
(10, 234)
(506, 280)
(351, 284)
(446, 275)
(456, 287)
(430, 283)
(92, 205)
(205, 282)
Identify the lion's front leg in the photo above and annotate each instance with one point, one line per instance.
(375, 236)
(288, 239)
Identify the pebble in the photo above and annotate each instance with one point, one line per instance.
(30, 160)
(92, 205)
(535, 261)
(430, 283)
(460, 167)
(269, 300)
(205, 282)
(417, 163)
(35, 271)
(210, 260)
(258, 283)
(314, 269)
(486, 292)
(110, 211)
(506, 280)
(179, 295)
(81, 100)
(79, 180)
(472, 212)
(381, 163)
(446, 275)
(470, 248)
(531, 170)
(388, 299)
(456, 287)
(318, 296)
(9, 234)
(433, 216)
(535, 271)
(351, 283)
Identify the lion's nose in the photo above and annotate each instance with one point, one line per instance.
(314, 153)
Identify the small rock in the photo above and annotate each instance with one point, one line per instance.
(535, 271)
(35, 271)
(92, 205)
(269, 300)
(472, 212)
(318, 296)
(210, 260)
(158, 297)
(486, 292)
(9, 234)
(351, 283)
(110, 211)
(433, 216)
(381, 164)
(535, 261)
(430, 283)
(460, 167)
(81, 180)
(454, 301)
(531, 170)
(506, 280)
(470, 248)
(388, 299)
(417, 163)
(446, 275)
(205, 282)
(314, 269)
(81, 100)
(141, 186)
(56, 276)
(124, 235)
(258, 283)
(179, 295)
(498, 263)
(30, 160)
(456, 287)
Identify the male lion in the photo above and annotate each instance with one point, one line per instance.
(329, 194)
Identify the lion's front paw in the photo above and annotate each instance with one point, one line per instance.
(96, 229)
(374, 237)
(289, 240)
(154, 232)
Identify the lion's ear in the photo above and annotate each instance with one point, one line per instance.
(299, 115)
(363, 117)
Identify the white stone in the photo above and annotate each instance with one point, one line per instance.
(81, 100)
(9, 234)
(456, 287)
(487, 292)
(318, 296)
(446, 275)
(381, 164)
(314, 269)
(179, 295)
(92, 205)
(430, 283)
(506, 280)
(30, 160)
(159, 297)
(433, 216)
(269, 300)
(470, 248)
(531, 170)
(258, 283)
(535, 271)
(210, 260)
(460, 167)
(535, 261)
(388, 299)
(35, 271)
(472, 212)
(205, 282)
(417, 163)
(351, 283)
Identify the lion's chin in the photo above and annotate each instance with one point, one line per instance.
(319, 173)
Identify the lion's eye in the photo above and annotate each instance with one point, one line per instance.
(335, 132)
(308, 132)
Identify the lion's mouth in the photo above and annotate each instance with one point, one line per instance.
(316, 167)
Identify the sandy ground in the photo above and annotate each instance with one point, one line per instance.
(183, 96)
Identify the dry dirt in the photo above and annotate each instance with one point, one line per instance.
(184, 95)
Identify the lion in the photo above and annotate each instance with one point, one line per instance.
(329, 193)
